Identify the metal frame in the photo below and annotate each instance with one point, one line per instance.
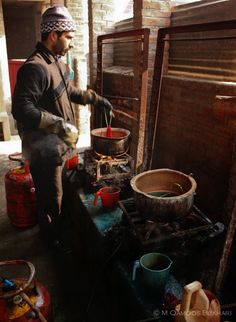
(143, 37)
(158, 64)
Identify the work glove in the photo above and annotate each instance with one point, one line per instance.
(69, 134)
(104, 105)
(53, 124)
(91, 97)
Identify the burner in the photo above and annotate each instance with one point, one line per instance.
(101, 167)
(149, 233)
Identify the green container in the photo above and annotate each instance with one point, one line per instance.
(155, 270)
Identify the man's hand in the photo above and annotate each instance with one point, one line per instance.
(53, 124)
(69, 134)
(104, 103)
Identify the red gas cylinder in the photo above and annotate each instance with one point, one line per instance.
(20, 196)
(23, 299)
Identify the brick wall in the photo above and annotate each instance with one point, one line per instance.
(153, 15)
(79, 11)
(79, 55)
(101, 21)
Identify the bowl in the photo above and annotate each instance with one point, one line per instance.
(116, 145)
(163, 194)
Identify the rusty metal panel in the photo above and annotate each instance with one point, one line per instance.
(125, 84)
(164, 36)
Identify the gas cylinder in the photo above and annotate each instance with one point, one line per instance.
(20, 195)
(23, 299)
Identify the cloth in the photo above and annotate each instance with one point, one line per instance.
(57, 18)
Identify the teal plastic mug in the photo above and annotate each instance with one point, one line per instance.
(155, 269)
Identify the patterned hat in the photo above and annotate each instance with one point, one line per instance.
(57, 18)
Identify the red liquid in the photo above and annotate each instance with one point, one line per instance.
(115, 134)
(109, 132)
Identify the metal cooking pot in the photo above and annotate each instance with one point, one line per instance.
(163, 194)
(116, 145)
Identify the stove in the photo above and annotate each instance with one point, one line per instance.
(149, 234)
(101, 167)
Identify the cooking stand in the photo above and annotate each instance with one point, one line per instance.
(103, 242)
(104, 167)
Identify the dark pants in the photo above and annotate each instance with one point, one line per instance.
(48, 181)
(47, 154)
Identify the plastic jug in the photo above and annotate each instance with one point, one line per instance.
(197, 305)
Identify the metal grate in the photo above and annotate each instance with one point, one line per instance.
(151, 233)
(103, 168)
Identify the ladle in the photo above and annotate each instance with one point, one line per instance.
(108, 124)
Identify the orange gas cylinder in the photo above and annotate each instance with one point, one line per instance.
(20, 196)
(23, 299)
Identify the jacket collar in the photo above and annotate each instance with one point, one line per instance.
(47, 54)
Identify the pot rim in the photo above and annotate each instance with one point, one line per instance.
(154, 270)
(189, 192)
(126, 132)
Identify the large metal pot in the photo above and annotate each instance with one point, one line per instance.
(163, 194)
(116, 145)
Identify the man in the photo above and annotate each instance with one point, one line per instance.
(45, 115)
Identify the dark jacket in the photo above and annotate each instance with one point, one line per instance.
(42, 85)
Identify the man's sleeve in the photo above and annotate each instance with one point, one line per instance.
(30, 86)
(83, 96)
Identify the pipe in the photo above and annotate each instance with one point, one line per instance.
(122, 97)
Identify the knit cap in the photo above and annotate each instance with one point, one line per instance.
(57, 18)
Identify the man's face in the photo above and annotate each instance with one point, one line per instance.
(63, 43)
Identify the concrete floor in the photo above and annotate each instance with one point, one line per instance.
(55, 273)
